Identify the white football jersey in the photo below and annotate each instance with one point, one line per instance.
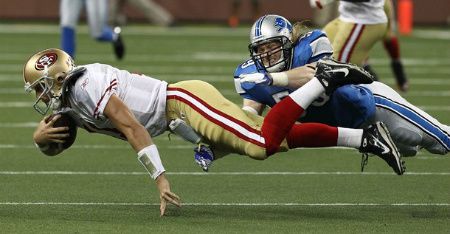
(371, 12)
(143, 95)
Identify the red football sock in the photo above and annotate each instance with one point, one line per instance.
(312, 135)
(392, 47)
(279, 122)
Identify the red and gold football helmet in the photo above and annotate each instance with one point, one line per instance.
(45, 73)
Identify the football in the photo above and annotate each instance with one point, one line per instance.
(64, 121)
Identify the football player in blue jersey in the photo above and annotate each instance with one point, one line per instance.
(283, 59)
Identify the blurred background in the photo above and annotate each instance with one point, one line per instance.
(98, 186)
(432, 12)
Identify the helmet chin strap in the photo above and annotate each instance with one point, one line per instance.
(55, 103)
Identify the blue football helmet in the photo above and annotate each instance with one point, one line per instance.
(271, 43)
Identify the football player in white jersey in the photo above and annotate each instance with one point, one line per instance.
(392, 46)
(361, 23)
(136, 108)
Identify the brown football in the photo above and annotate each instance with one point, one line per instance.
(64, 121)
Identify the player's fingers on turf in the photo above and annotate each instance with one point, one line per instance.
(174, 199)
(162, 208)
(171, 200)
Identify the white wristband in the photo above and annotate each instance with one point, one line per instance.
(149, 158)
(280, 79)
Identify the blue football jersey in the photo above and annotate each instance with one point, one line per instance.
(310, 47)
(348, 106)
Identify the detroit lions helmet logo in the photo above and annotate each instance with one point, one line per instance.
(281, 24)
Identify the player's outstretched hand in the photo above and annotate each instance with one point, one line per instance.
(165, 195)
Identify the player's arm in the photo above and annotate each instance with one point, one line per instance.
(296, 77)
(138, 137)
(293, 78)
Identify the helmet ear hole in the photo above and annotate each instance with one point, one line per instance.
(60, 77)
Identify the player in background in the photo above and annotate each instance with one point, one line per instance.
(277, 68)
(136, 108)
(96, 13)
(154, 12)
(361, 23)
(392, 46)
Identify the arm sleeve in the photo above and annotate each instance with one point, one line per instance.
(353, 106)
(321, 47)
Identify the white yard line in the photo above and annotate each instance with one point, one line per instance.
(432, 34)
(214, 204)
(256, 173)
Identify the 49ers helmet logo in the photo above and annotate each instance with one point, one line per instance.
(46, 60)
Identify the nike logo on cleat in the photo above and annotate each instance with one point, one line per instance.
(385, 148)
(344, 70)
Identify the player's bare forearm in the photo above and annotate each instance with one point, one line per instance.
(300, 76)
(124, 120)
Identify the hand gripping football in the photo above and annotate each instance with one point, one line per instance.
(64, 121)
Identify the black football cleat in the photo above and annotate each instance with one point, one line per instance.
(400, 76)
(376, 140)
(118, 45)
(370, 70)
(333, 74)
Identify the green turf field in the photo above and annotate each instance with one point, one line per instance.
(98, 186)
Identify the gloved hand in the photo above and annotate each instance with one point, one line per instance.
(255, 78)
(203, 156)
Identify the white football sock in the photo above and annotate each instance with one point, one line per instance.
(349, 137)
(308, 93)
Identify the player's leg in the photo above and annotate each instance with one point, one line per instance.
(209, 113)
(69, 11)
(410, 125)
(331, 29)
(392, 46)
(329, 76)
(280, 121)
(353, 41)
(221, 123)
(97, 20)
(97, 14)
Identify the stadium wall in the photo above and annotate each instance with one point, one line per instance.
(430, 12)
